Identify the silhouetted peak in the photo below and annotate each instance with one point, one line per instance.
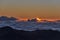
(6, 28)
(12, 18)
(33, 20)
(5, 18)
(58, 20)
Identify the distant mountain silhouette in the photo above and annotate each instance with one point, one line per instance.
(12, 18)
(58, 20)
(8, 33)
(33, 20)
(5, 18)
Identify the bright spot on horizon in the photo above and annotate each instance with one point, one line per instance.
(38, 19)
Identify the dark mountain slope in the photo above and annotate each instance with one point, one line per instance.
(8, 33)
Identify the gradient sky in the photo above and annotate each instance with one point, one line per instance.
(31, 8)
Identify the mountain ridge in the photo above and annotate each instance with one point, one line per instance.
(8, 33)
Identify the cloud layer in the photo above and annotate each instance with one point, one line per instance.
(29, 25)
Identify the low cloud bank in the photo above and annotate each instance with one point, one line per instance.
(28, 25)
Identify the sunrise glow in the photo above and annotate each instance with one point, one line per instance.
(38, 19)
(30, 8)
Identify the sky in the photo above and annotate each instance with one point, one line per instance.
(49, 9)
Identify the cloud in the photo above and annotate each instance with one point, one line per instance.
(28, 25)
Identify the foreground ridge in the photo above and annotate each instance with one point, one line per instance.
(7, 33)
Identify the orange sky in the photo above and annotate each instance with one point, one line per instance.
(30, 8)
